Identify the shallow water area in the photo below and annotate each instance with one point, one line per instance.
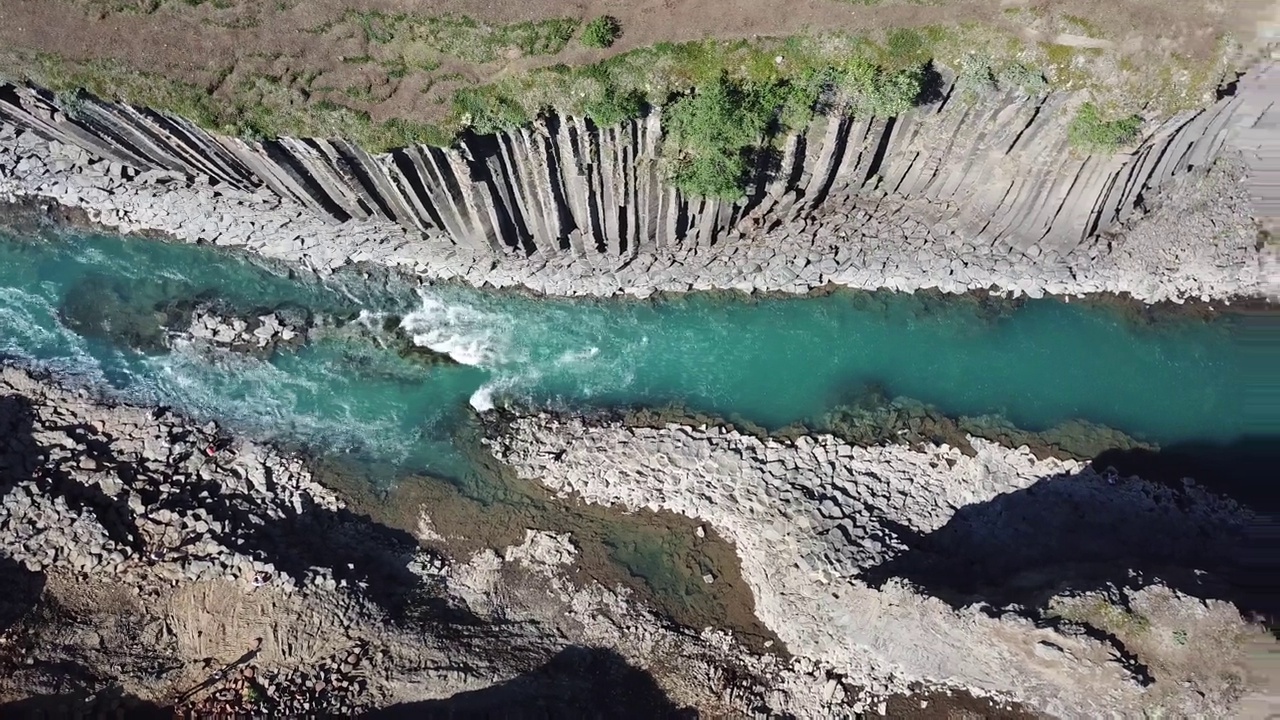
(110, 311)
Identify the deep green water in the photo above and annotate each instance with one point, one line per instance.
(87, 306)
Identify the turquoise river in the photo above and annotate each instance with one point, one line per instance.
(102, 311)
(89, 307)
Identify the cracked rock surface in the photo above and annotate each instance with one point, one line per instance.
(156, 562)
(1015, 576)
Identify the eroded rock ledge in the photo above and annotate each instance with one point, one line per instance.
(147, 555)
(1067, 589)
(955, 195)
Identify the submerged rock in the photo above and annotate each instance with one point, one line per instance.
(873, 419)
(106, 307)
(259, 334)
(404, 345)
(1077, 439)
(386, 331)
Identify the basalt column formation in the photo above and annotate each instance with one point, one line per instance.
(998, 171)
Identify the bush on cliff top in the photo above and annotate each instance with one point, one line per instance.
(718, 131)
(1090, 132)
(601, 32)
(614, 106)
(880, 92)
(715, 132)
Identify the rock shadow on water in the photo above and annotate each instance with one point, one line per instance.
(664, 558)
(578, 683)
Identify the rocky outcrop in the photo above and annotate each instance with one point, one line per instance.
(986, 570)
(257, 334)
(146, 553)
(956, 195)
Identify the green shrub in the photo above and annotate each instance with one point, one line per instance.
(879, 92)
(719, 175)
(975, 78)
(601, 32)
(1091, 133)
(71, 102)
(801, 96)
(614, 106)
(1028, 80)
(488, 112)
(715, 133)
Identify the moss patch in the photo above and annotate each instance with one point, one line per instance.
(1096, 611)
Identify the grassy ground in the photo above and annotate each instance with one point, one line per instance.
(259, 107)
(400, 45)
(771, 84)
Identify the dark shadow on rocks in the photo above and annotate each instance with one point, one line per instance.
(1239, 470)
(369, 557)
(1242, 470)
(933, 87)
(110, 703)
(23, 459)
(355, 550)
(22, 589)
(578, 683)
(1095, 531)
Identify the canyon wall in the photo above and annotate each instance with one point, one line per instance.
(998, 170)
(956, 196)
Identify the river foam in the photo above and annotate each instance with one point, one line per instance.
(464, 333)
(516, 351)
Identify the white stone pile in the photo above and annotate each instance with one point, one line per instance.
(262, 333)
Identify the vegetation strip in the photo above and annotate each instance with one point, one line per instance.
(726, 102)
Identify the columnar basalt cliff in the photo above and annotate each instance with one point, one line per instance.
(999, 169)
(958, 194)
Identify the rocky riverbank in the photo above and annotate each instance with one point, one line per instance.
(212, 573)
(1193, 237)
(1035, 579)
